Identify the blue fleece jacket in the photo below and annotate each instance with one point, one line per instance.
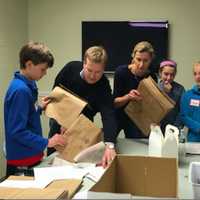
(190, 113)
(23, 130)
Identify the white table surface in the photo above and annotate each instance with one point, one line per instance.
(140, 147)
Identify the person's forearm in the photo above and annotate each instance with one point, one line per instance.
(194, 125)
(121, 101)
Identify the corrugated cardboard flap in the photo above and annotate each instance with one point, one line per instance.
(141, 176)
(164, 173)
(58, 189)
(17, 193)
(108, 180)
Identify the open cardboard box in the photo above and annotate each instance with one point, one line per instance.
(140, 176)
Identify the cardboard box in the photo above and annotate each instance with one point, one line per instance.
(140, 176)
(153, 107)
(17, 193)
(58, 189)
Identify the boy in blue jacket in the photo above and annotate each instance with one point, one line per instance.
(190, 107)
(23, 132)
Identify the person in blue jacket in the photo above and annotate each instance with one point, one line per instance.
(190, 107)
(167, 74)
(23, 133)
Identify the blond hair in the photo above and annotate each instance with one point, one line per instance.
(197, 63)
(96, 54)
(143, 46)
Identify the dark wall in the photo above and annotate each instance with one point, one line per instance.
(119, 38)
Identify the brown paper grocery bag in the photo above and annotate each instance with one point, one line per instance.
(81, 134)
(153, 107)
(64, 107)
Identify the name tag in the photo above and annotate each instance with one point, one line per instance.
(194, 102)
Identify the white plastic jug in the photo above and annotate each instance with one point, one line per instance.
(170, 144)
(155, 141)
(174, 129)
(182, 147)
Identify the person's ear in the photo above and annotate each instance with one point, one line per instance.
(132, 61)
(159, 72)
(29, 64)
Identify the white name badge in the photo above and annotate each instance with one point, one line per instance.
(194, 102)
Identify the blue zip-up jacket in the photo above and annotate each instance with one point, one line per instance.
(190, 113)
(23, 130)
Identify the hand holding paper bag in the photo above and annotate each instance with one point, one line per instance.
(153, 107)
(77, 130)
(58, 140)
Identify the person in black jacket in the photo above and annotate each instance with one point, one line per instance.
(126, 81)
(87, 80)
(167, 74)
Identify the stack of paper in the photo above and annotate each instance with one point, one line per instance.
(101, 195)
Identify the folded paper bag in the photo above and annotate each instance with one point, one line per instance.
(64, 106)
(80, 135)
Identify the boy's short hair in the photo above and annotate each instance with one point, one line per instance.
(143, 46)
(37, 53)
(96, 54)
